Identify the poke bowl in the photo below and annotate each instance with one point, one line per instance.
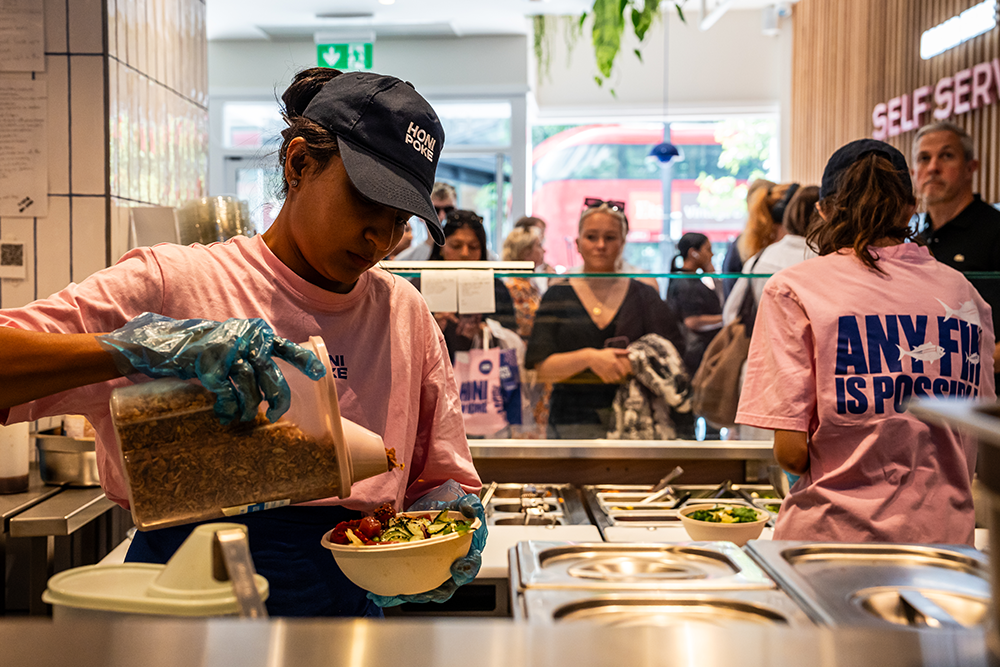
(433, 540)
(724, 522)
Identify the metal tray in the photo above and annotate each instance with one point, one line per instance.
(691, 566)
(880, 584)
(658, 610)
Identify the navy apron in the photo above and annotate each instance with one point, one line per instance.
(285, 544)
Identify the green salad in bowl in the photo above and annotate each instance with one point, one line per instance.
(732, 523)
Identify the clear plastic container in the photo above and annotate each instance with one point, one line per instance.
(182, 465)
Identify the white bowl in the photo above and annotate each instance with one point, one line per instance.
(403, 569)
(737, 533)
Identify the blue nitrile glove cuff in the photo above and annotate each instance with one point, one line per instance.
(464, 569)
(233, 359)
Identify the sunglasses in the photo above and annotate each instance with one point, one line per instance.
(613, 204)
(444, 209)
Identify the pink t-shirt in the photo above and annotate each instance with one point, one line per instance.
(390, 362)
(837, 350)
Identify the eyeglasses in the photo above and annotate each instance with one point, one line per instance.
(613, 204)
(444, 209)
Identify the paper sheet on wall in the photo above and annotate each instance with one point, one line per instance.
(475, 291)
(22, 36)
(439, 289)
(24, 161)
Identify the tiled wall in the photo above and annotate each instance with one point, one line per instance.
(158, 106)
(127, 126)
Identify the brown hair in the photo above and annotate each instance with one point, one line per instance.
(321, 144)
(869, 205)
(760, 229)
(801, 210)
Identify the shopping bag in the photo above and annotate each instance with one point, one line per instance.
(480, 388)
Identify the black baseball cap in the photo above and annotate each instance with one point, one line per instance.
(850, 153)
(390, 140)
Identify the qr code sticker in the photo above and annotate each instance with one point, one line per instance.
(11, 254)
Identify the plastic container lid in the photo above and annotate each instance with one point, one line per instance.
(183, 587)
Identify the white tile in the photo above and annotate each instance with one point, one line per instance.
(86, 26)
(112, 125)
(119, 228)
(17, 293)
(133, 36)
(111, 28)
(121, 26)
(162, 46)
(53, 248)
(89, 220)
(57, 126)
(88, 123)
(134, 83)
(143, 128)
(141, 25)
(55, 26)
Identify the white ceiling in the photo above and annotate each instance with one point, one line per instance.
(295, 19)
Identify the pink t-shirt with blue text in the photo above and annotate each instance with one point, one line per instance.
(388, 355)
(837, 351)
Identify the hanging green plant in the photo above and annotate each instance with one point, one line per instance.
(609, 19)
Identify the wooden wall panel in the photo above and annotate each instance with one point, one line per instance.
(849, 55)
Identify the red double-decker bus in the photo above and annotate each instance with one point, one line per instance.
(610, 162)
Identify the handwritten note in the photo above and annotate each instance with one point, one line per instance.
(439, 291)
(24, 174)
(475, 291)
(22, 36)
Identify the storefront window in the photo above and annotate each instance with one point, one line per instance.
(706, 187)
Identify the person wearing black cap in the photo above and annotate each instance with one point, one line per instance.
(842, 342)
(357, 159)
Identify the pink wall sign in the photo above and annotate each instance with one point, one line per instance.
(954, 95)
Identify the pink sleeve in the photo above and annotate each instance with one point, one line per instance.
(441, 451)
(103, 302)
(779, 391)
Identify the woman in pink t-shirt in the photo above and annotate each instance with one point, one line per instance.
(843, 341)
(358, 159)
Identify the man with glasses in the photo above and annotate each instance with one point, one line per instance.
(445, 200)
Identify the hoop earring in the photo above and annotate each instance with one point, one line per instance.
(294, 183)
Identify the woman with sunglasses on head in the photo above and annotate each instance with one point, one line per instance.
(357, 161)
(465, 241)
(584, 324)
(843, 341)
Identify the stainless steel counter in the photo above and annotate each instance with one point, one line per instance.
(445, 643)
(733, 450)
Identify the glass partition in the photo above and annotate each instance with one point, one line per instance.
(548, 361)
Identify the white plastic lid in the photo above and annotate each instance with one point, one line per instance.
(183, 587)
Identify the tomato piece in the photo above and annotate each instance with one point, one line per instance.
(370, 527)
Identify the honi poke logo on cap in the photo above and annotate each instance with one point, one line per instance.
(422, 142)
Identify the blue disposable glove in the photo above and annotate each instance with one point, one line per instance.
(464, 569)
(232, 359)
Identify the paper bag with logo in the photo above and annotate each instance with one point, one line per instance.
(480, 389)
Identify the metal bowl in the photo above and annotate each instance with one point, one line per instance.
(65, 461)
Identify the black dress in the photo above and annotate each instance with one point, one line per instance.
(562, 324)
(689, 297)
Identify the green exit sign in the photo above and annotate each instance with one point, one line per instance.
(345, 56)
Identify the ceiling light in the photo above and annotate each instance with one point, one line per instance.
(386, 2)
